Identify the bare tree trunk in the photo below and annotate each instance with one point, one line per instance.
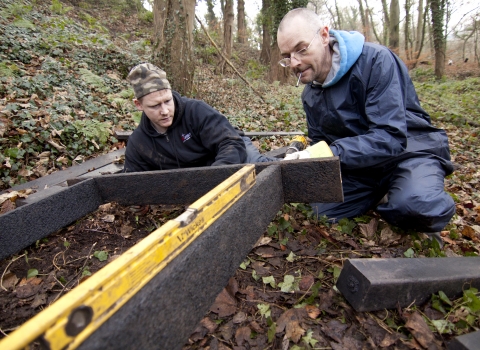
(277, 72)
(408, 53)
(173, 50)
(266, 37)
(372, 24)
(364, 19)
(420, 27)
(437, 9)
(228, 17)
(386, 22)
(210, 16)
(242, 29)
(394, 30)
(339, 16)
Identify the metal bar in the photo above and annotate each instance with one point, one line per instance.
(377, 284)
(74, 317)
(25, 225)
(124, 135)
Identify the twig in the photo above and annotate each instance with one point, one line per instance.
(5, 334)
(5, 271)
(228, 61)
(74, 277)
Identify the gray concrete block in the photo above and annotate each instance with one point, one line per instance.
(376, 284)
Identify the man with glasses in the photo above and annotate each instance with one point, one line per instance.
(178, 132)
(360, 100)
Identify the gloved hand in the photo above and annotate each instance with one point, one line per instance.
(318, 150)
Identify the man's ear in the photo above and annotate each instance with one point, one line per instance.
(138, 104)
(324, 34)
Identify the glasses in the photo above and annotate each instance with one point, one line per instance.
(285, 62)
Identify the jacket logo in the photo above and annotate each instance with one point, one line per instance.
(186, 137)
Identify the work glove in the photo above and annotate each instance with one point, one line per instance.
(318, 150)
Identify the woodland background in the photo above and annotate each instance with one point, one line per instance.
(63, 92)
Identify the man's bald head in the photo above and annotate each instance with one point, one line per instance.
(301, 19)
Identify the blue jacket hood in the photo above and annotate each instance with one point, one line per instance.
(347, 47)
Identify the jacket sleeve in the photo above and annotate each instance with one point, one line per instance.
(218, 135)
(134, 161)
(384, 113)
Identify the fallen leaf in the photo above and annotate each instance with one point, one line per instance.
(242, 335)
(388, 237)
(294, 332)
(28, 288)
(10, 280)
(224, 304)
(125, 230)
(40, 299)
(265, 252)
(420, 330)
(105, 207)
(306, 282)
(312, 311)
(469, 232)
(239, 317)
(262, 241)
(209, 324)
(109, 218)
(291, 315)
(368, 230)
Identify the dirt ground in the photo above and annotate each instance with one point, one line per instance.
(283, 295)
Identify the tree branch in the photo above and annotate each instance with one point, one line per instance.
(227, 60)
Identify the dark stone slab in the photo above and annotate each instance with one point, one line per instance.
(166, 310)
(61, 176)
(27, 224)
(376, 284)
(303, 181)
(315, 180)
(469, 341)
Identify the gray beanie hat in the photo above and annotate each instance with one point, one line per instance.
(146, 78)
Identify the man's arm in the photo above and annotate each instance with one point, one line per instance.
(134, 161)
(219, 136)
(385, 115)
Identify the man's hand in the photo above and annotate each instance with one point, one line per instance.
(318, 150)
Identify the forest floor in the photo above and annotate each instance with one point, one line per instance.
(283, 295)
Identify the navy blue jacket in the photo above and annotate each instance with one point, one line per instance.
(199, 136)
(368, 111)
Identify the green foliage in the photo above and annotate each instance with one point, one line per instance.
(289, 284)
(23, 23)
(32, 273)
(58, 8)
(101, 255)
(8, 70)
(146, 16)
(92, 130)
(346, 226)
(457, 102)
(92, 79)
(15, 9)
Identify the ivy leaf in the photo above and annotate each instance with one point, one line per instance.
(289, 284)
(32, 273)
(291, 257)
(101, 255)
(264, 310)
(409, 253)
(269, 280)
